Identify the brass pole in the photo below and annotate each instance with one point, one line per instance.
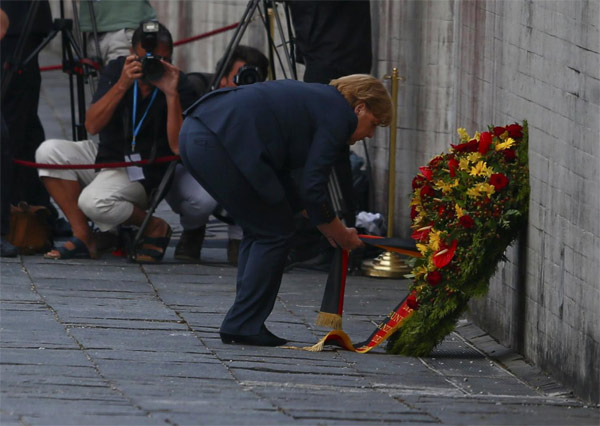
(388, 264)
(392, 160)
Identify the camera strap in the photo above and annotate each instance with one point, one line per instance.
(136, 129)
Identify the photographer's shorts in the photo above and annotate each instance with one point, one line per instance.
(60, 151)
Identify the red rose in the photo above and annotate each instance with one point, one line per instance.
(467, 221)
(470, 146)
(498, 180)
(427, 191)
(418, 181)
(426, 171)
(499, 131)
(452, 165)
(435, 161)
(434, 278)
(515, 131)
(509, 154)
(485, 140)
(412, 302)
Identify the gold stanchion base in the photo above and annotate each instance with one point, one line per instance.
(386, 265)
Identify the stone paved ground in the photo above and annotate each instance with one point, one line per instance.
(110, 342)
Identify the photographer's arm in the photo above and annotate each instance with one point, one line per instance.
(101, 112)
(168, 85)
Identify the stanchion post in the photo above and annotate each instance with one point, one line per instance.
(392, 154)
(389, 264)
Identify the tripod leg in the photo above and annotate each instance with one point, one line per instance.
(235, 41)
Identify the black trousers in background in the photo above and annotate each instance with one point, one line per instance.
(6, 172)
(268, 228)
(20, 111)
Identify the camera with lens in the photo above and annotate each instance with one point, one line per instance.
(152, 68)
(248, 74)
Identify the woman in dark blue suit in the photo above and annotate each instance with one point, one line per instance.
(242, 145)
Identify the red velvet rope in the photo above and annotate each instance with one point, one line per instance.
(177, 43)
(166, 159)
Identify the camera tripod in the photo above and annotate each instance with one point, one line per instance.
(252, 8)
(72, 64)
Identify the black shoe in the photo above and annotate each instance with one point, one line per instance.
(190, 245)
(264, 338)
(7, 249)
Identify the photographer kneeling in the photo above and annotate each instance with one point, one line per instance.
(242, 144)
(137, 109)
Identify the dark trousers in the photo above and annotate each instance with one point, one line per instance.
(267, 227)
(20, 110)
(6, 172)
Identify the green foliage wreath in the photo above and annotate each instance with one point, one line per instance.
(467, 206)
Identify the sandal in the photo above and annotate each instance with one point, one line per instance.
(80, 251)
(153, 255)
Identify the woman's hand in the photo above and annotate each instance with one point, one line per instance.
(339, 235)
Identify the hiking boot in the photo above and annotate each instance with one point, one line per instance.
(233, 251)
(190, 244)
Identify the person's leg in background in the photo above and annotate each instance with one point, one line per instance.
(111, 199)
(6, 249)
(20, 110)
(194, 206)
(65, 186)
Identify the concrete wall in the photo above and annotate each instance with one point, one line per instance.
(470, 64)
(539, 60)
(474, 63)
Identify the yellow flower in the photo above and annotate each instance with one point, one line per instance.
(459, 211)
(446, 187)
(435, 240)
(473, 192)
(474, 157)
(481, 169)
(481, 189)
(462, 134)
(477, 135)
(420, 270)
(464, 164)
(486, 188)
(422, 249)
(506, 144)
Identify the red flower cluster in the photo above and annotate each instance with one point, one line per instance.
(485, 140)
(499, 181)
(443, 256)
(466, 221)
(434, 278)
(515, 131)
(471, 146)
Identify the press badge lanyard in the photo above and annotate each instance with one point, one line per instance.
(136, 130)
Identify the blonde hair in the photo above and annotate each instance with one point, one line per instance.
(357, 88)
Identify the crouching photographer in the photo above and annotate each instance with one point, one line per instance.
(137, 109)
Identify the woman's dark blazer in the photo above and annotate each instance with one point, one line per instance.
(273, 128)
